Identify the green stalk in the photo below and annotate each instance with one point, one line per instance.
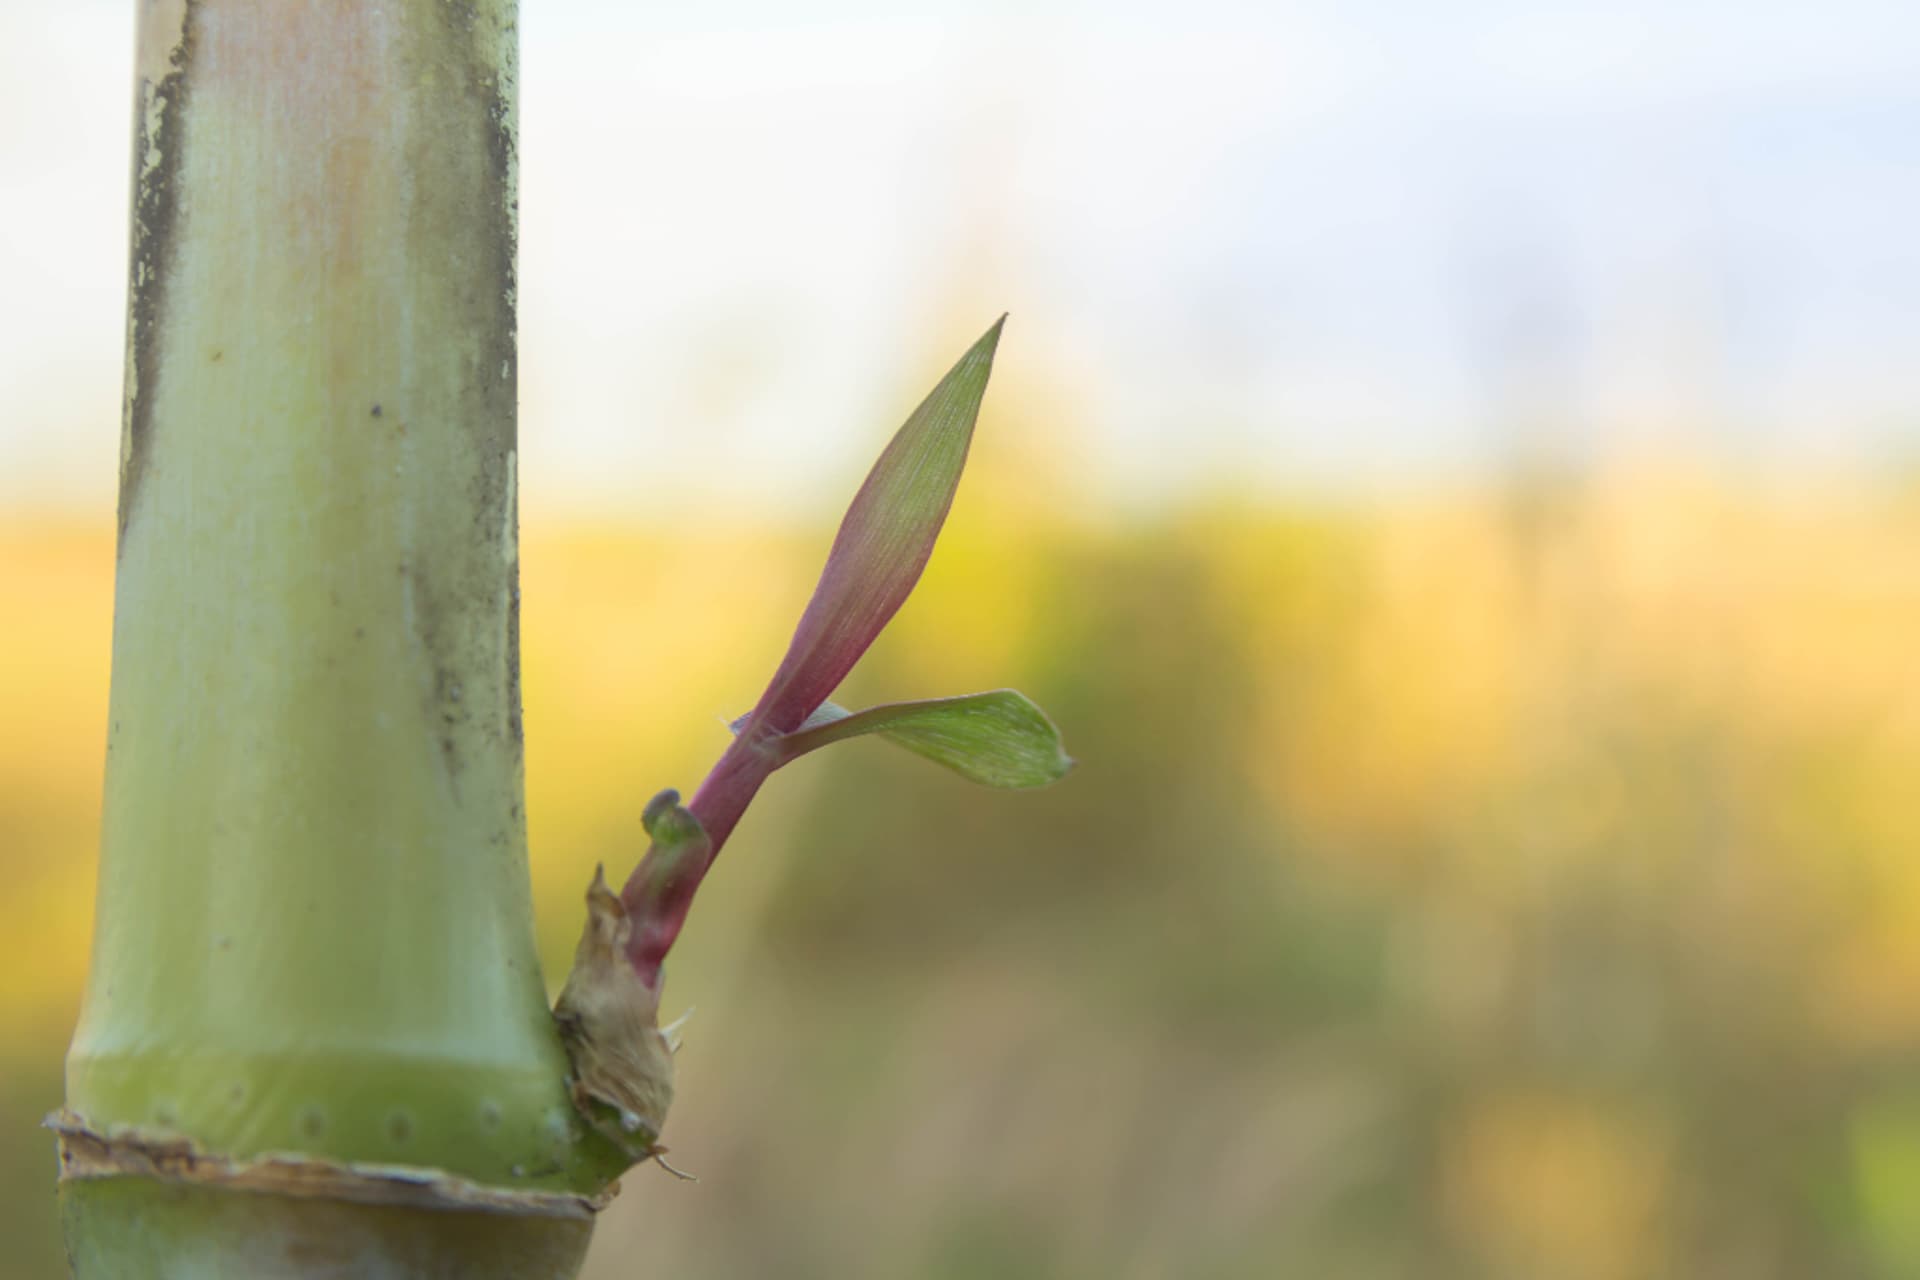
(315, 1038)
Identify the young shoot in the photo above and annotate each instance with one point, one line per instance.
(609, 1010)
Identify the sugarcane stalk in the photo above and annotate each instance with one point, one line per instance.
(314, 1039)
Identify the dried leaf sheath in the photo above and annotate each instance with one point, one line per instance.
(622, 1078)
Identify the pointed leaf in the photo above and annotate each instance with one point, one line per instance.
(998, 739)
(883, 543)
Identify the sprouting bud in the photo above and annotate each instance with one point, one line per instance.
(608, 1013)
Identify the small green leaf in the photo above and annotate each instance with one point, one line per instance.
(669, 823)
(998, 739)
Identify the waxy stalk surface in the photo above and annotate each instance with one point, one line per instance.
(315, 1038)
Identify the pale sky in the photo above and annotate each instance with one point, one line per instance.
(1273, 246)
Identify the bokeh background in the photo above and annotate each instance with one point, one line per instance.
(1454, 473)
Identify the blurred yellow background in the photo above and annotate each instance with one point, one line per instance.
(1453, 483)
(1511, 883)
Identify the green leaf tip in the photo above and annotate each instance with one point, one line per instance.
(997, 739)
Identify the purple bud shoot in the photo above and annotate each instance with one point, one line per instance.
(883, 545)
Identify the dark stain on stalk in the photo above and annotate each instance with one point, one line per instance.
(463, 154)
(155, 233)
(515, 730)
